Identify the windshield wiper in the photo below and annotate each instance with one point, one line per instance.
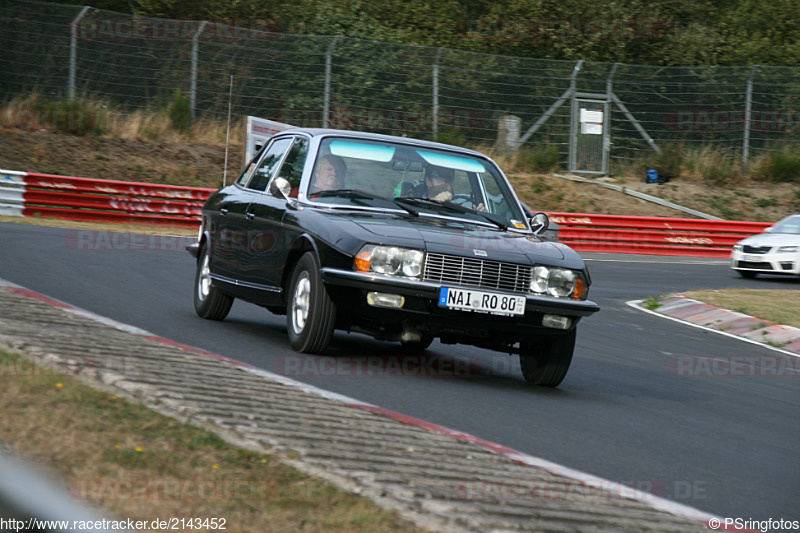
(451, 206)
(403, 202)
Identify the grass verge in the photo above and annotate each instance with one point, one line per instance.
(778, 306)
(131, 462)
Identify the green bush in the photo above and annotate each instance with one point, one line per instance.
(76, 116)
(669, 162)
(542, 158)
(784, 165)
(180, 112)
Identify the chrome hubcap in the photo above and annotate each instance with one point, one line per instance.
(204, 280)
(300, 302)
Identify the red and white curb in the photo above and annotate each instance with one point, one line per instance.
(623, 491)
(725, 322)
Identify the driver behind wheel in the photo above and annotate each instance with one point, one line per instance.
(439, 186)
(328, 175)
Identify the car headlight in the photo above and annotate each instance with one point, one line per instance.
(389, 260)
(737, 247)
(787, 249)
(558, 282)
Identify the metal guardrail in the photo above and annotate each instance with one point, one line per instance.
(652, 235)
(84, 199)
(94, 200)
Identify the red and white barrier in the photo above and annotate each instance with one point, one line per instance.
(652, 235)
(92, 200)
(47, 195)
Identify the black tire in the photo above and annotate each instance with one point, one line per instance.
(417, 346)
(545, 360)
(311, 314)
(749, 274)
(209, 301)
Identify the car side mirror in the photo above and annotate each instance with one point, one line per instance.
(280, 187)
(539, 223)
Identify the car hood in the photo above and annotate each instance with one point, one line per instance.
(453, 237)
(772, 239)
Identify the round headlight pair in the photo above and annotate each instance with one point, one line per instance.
(390, 260)
(559, 282)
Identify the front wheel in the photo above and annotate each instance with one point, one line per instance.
(209, 302)
(311, 314)
(545, 360)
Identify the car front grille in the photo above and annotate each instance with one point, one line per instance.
(754, 265)
(478, 273)
(750, 249)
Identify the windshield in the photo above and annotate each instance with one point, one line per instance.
(788, 225)
(421, 180)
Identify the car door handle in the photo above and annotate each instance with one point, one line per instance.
(250, 216)
(223, 212)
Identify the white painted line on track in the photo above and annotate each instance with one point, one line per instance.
(637, 304)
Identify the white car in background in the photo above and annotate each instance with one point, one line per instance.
(776, 251)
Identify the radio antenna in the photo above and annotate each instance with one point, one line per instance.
(227, 135)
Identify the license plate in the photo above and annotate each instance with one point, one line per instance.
(752, 258)
(481, 301)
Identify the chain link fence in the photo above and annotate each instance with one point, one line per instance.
(138, 63)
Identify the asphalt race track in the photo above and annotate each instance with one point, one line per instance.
(725, 444)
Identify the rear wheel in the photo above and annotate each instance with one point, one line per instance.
(311, 314)
(545, 360)
(209, 302)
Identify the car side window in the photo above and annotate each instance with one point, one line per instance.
(262, 174)
(248, 170)
(292, 168)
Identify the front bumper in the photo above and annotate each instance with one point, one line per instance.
(421, 307)
(770, 263)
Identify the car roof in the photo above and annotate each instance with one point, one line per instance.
(321, 132)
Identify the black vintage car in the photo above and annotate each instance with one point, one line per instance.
(401, 239)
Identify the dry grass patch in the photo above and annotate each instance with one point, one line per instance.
(134, 463)
(779, 306)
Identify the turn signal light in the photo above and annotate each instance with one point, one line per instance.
(362, 260)
(580, 289)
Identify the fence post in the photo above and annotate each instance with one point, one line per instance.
(326, 97)
(607, 130)
(436, 93)
(552, 109)
(193, 83)
(571, 162)
(748, 109)
(73, 51)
